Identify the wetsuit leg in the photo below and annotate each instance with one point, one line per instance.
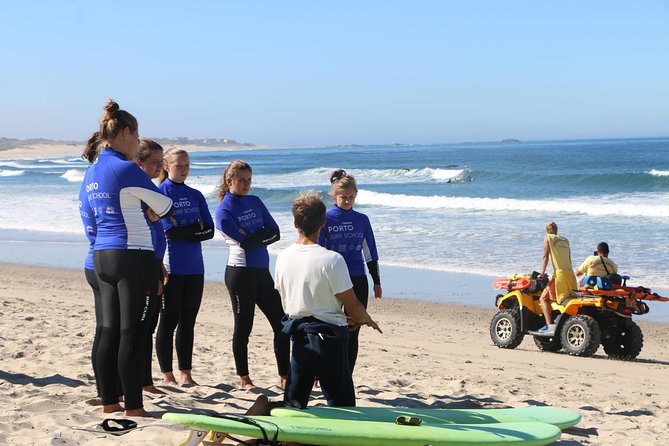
(154, 311)
(127, 281)
(92, 280)
(333, 369)
(269, 302)
(170, 311)
(361, 290)
(302, 371)
(190, 305)
(242, 284)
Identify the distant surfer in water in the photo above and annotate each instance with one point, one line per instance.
(314, 283)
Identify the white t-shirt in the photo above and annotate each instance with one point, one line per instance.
(308, 277)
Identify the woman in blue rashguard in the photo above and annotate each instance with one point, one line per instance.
(150, 160)
(117, 193)
(349, 233)
(90, 154)
(190, 224)
(248, 228)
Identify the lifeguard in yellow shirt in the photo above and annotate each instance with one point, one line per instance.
(563, 281)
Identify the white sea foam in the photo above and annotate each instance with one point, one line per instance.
(659, 173)
(624, 206)
(319, 177)
(74, 175)
(209, 164)
(11, 173)
(207, 189)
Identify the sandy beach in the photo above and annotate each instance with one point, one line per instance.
(431, 355)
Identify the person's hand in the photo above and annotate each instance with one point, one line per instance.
(152, 216)
(159, 291)
(374, 325)
(378, 293)
(352, 325)
(174, 221)
(166, 276)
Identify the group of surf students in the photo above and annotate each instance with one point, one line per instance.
(597, 268)
(146, 270)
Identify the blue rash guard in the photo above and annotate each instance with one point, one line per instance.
(350, 234)
(118, 192)
(247, 213)
(194, 224)
(88, 219)
(159, 240)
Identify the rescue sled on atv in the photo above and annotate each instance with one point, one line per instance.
(590, 318)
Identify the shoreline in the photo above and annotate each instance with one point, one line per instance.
(406, 283)
(430, 355)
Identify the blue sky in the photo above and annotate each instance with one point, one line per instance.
(339, 72)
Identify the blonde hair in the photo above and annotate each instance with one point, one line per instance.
(551, 227)
(170, 155)
(231, 172)
(114, 120)
(341, 180)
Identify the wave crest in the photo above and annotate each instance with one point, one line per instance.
(11, 173)
(74, 175)
(627, 206)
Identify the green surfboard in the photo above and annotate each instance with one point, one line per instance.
(562, 418)
(329, 432)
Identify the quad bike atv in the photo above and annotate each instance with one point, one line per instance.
(591, 317)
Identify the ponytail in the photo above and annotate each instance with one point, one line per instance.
(231, 172)
(341, 180)
(92, 149)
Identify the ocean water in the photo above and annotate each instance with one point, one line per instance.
(474, 208)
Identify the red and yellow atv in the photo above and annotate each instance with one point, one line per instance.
(591, 317)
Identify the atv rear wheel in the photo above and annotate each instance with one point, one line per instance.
(625, 343)
(580, 335)
(548, 344)
(505, 328)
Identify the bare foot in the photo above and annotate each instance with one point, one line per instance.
(137, 413)
(186, 379)
(169, 379)
(153, 389)
(111, 408)
(245, 382)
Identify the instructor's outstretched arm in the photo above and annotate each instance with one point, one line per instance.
(355, 310)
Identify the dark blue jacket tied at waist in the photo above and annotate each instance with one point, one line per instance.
(310, 327)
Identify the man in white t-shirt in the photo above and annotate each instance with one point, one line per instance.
(314, 283)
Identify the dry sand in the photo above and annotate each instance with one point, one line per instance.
(431, 355)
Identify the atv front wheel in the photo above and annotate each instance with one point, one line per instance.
(505, 328)
(548, 344)
(625, 343)
(580, 335)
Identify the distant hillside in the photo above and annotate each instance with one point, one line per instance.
(207, 142)
(10, 143)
